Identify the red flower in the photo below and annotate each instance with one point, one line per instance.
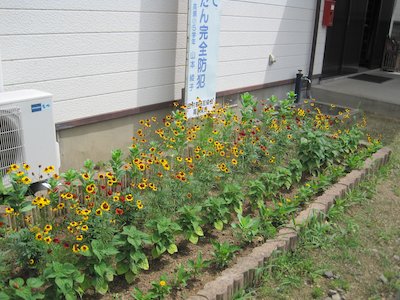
(122, 198)
(66, 245)
(56, 240)
(109, 192)
(119, 211)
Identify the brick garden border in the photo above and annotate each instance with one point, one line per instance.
(243, 273)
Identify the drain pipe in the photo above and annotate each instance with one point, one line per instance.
(1, 77)
(314, 46)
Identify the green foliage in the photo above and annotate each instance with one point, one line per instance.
(19, 289)
(65, 281)
(158, 291)
(246, 228)
(217, 212)
(233, 195)
(198, 265)
(23, 247)
(190, 221)
(98, 268)
(223, 253)
(257, 192)
(181, 277)
(131, 257)
(296, 169)
(163, 233)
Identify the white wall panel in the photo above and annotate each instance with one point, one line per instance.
(98, 5)
(50, 22)
(44, 69)
(99, 56)
(57, 45)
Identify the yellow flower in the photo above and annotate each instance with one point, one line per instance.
(39, 236)
(47, 239)
(163, 283)
(14, 167)
(234, 161)
(48, 227)
(9, 210)
(105, 206)
(79, 237)
(84, 248)
(31, 261)
(49, 169)
(99, 212)
(26, 180)
(75, 248)
(26, 166)
(85, 228)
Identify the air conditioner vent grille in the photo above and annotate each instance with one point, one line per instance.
(11, 139)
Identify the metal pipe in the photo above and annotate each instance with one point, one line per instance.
(298, 86)
(314, 44)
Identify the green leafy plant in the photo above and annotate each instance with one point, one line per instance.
(223, 253)
(246, 228)
(65, 279)
(158, 291)
(163, 233)
(19, 289)
(98, 265)
(256, 192)
(190, 221)
(181, 277)
(197, 265)
(234, 196)
(131, 257)
(217, 212)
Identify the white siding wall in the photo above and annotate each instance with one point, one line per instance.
(396, 14)
(98, 56)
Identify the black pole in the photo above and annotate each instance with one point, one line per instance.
(298, 86)
(314, 43)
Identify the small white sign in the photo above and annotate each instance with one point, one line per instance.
(202, 56)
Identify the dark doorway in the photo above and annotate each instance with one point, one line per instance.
(357, 38)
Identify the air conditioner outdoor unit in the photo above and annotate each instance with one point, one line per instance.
(27, 132)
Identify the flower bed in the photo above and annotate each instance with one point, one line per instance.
(182, 182)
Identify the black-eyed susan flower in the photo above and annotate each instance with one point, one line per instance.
(26, 180)
(9, 210)
(105, 206)
(98, 212)
(84, 248)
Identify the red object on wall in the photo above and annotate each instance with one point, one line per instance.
(329, 11)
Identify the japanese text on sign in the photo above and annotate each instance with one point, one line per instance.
(203, 31)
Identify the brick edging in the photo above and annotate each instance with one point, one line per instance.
(243, 273)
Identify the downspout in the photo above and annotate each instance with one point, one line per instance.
(314, 46)
(1, 77)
